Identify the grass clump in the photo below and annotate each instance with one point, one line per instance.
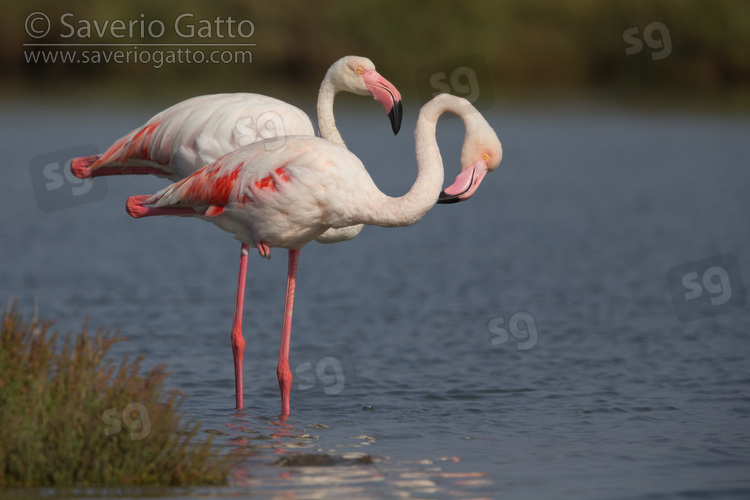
(68, 417)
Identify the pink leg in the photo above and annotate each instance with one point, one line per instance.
(81, 168)
(282, 370)
(238, 342)
(134, 170)
(136, 207)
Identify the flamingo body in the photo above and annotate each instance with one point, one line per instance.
(284, 197)
(287, 196)
(196, 132)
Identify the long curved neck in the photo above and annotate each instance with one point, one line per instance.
(408, 209)
(326, 121)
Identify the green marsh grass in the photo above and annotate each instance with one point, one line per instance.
(69, 417)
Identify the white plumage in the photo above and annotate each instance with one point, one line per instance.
(287, 196)
(196, 132)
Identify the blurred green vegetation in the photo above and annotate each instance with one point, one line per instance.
(529, 45)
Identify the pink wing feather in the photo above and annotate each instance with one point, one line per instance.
(212, 185)
(194, 133)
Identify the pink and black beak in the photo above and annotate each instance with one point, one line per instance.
(465, 185)
(387, 95)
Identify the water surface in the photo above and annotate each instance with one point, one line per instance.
(523, 344)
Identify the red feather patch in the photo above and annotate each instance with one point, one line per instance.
(270, 181)
(214, 210)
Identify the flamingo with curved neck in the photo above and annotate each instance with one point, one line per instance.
(286, 197)
(196, 132)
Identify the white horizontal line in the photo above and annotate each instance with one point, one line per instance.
(139, 45)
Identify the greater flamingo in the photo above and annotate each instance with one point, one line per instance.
(196, 132)
(287, 196)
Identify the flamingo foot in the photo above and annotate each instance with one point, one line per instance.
(80, 166)
(264, 250)
(136, 207)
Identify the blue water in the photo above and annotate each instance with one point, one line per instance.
(524, 344)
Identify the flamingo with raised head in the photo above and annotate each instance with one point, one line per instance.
(196, 132)
(287, 196)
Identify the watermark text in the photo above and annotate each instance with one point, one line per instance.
(656, 37)
(707, 287)
(520, 329)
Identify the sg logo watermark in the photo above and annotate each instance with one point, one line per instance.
(521, 327)
(329, 371)
(655, 34)
(133, 415)
(55, 186)
(707, 287)
(267, 127)
(467, 77)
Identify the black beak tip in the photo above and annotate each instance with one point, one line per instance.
(395, 115)
(448, 198)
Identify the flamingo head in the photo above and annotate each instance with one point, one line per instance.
(357, 75)
(481, 153)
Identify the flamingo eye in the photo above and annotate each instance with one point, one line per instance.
(485, 157)
(359, 71)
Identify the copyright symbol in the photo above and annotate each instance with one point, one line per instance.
(37, 25)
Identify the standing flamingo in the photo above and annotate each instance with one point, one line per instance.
(196, 132)
(287, 196)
